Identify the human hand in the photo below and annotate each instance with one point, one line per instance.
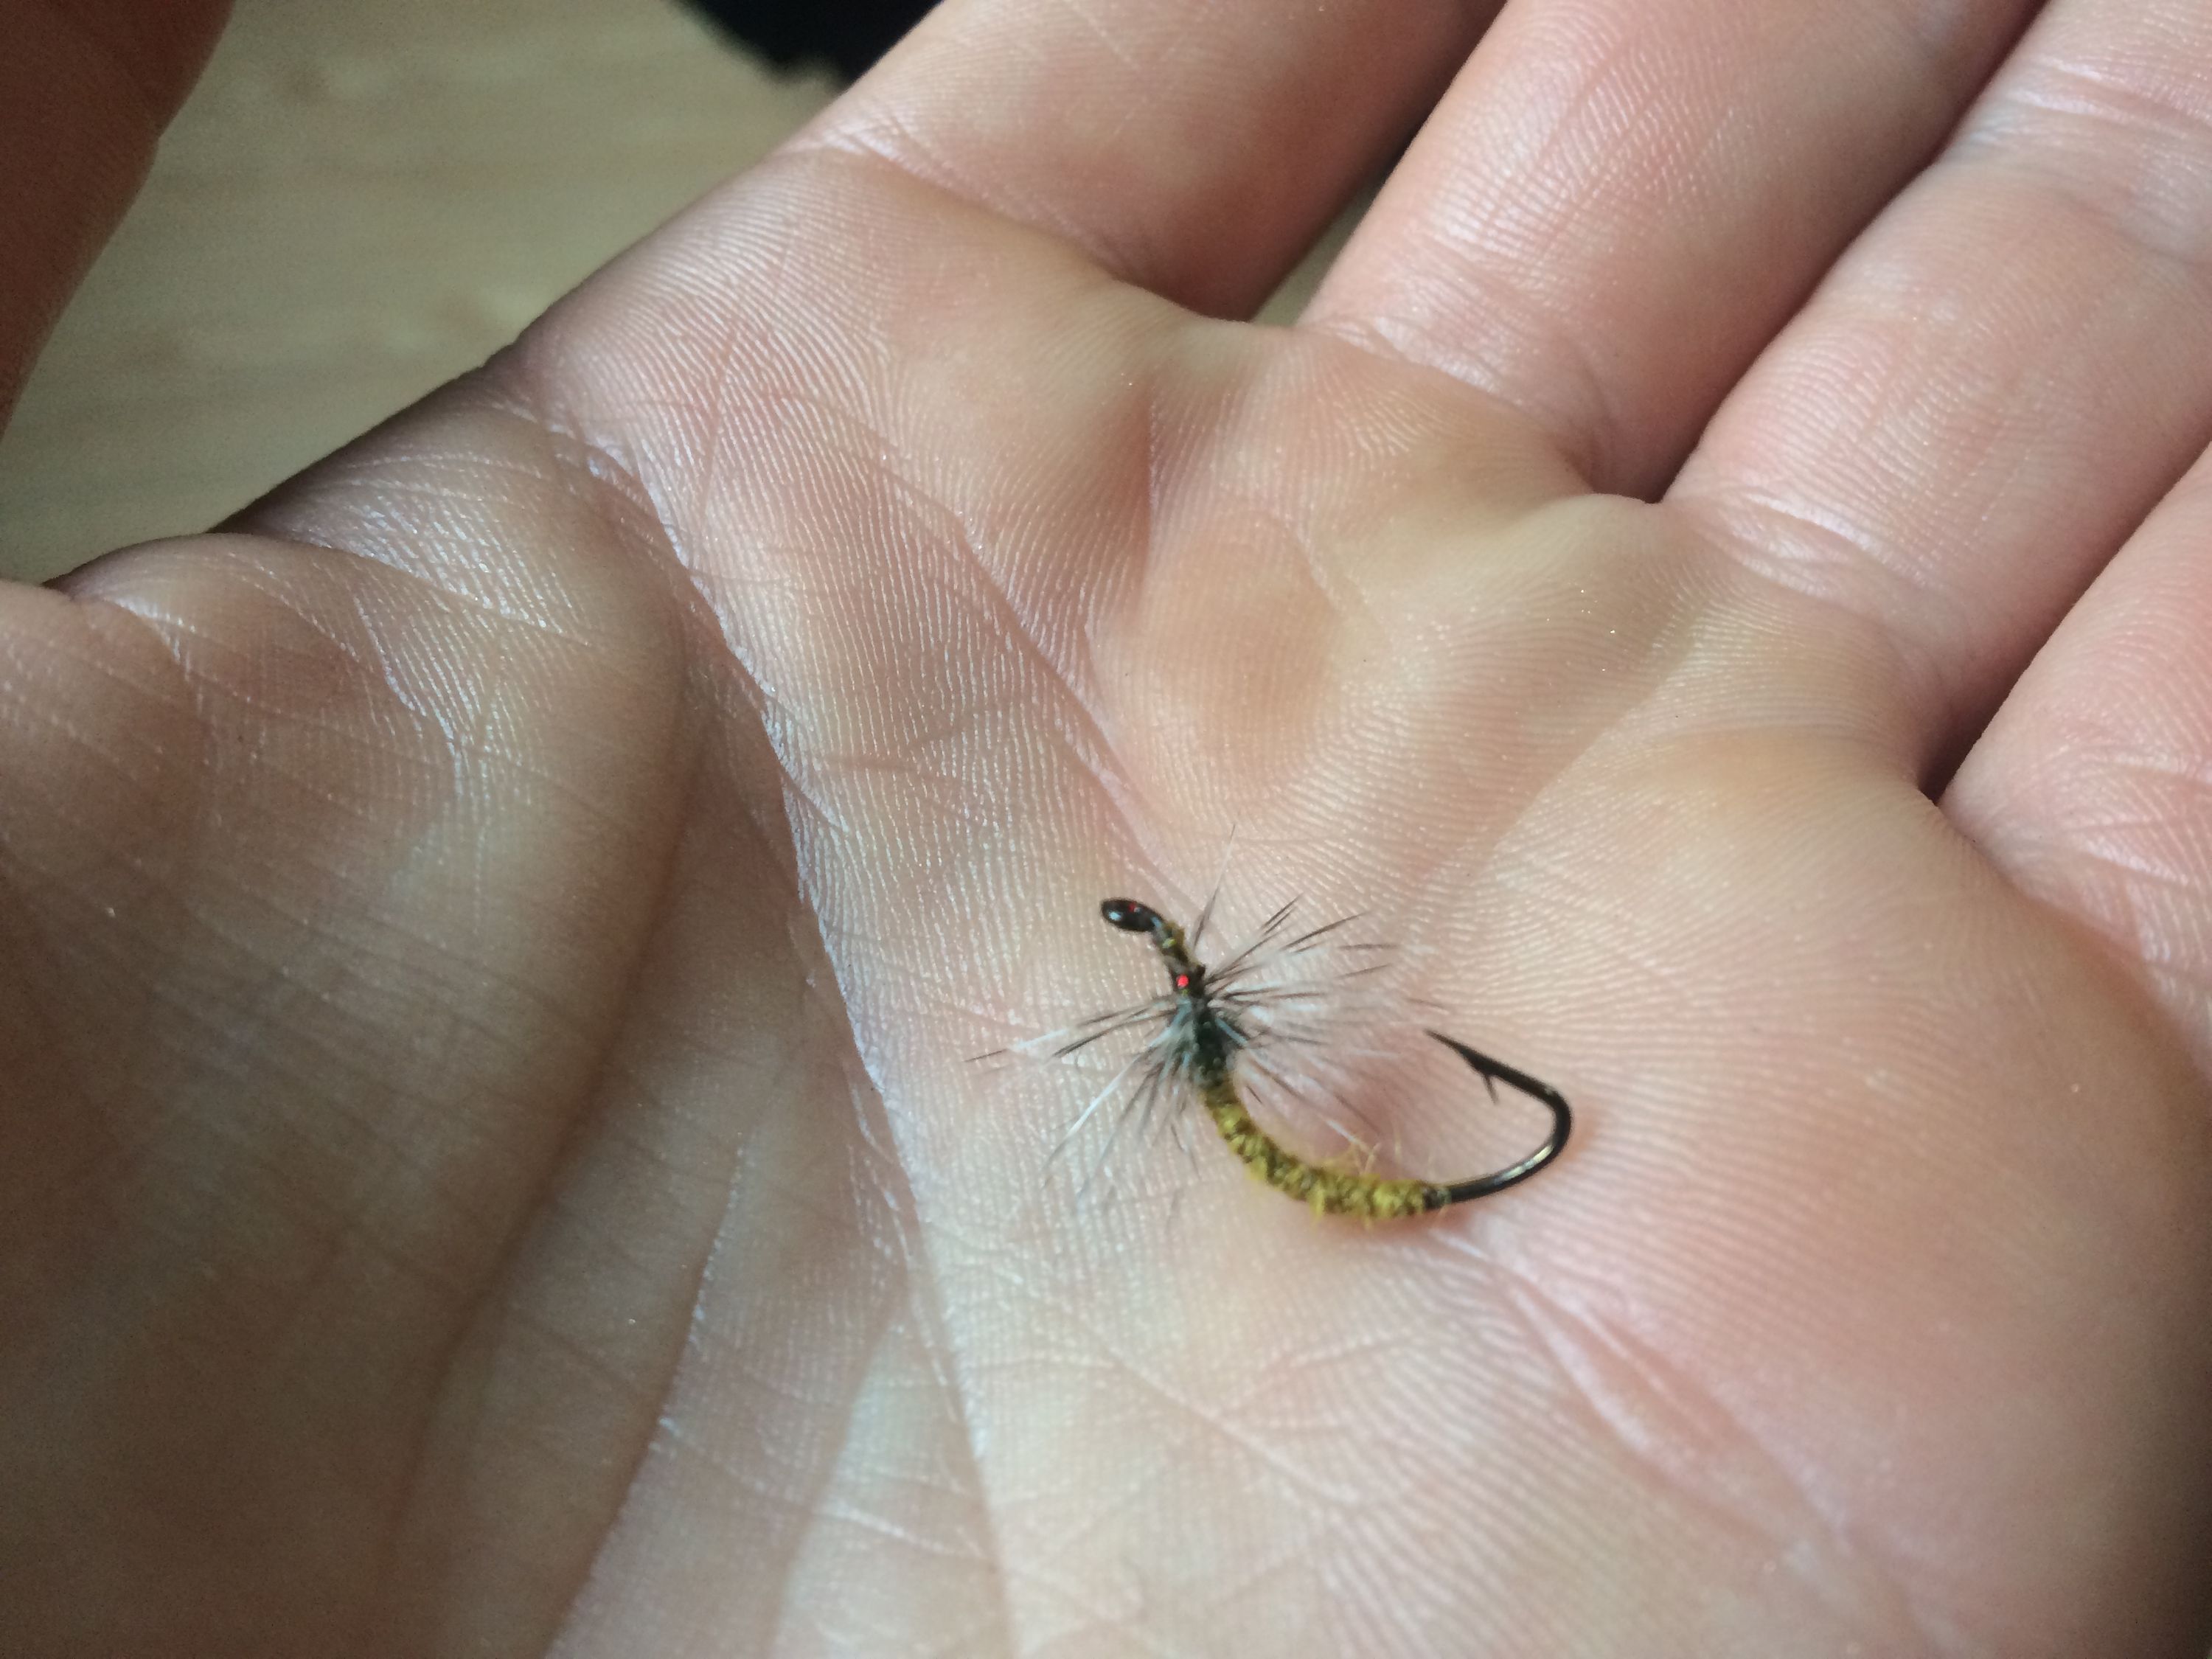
(494, 937)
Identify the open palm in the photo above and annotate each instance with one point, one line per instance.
(490, 1160)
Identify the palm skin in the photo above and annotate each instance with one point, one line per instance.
(495, 940)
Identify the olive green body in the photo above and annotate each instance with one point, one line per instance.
(1329, 1192)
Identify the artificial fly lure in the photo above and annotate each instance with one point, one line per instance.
(1213, 1018)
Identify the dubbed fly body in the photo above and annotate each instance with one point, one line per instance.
(1207, 1031)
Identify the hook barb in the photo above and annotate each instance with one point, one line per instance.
(1493, 1073)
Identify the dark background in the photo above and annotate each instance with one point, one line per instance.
(847, 34)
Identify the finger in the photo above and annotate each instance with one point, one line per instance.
(2090, 788)
(85, 86)
(1620, 202)
(2001, 380)
(1195, 150)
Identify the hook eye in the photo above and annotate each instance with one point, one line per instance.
(1130, 916)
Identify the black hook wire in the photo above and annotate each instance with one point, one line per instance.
(1493, 1073)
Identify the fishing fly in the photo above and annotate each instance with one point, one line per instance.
(1214, 1022)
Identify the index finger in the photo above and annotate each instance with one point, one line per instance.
(1194, 150)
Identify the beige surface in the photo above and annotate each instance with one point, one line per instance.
(359, 202)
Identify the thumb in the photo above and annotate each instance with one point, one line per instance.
(85, 86)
